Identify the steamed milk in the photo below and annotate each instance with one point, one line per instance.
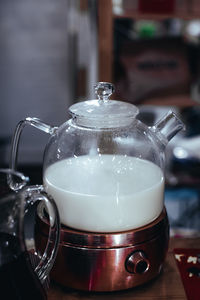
(105, 193)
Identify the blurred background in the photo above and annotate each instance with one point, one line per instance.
(52, 53)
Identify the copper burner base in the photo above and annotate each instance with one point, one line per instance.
(111, 261)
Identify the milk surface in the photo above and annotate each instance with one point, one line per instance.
(105, 193)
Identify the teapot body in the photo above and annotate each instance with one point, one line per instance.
(105, 179)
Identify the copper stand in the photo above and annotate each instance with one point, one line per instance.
(109, 261)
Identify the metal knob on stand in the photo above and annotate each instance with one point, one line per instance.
(137, 263)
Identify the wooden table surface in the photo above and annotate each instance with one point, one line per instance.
(167, 286)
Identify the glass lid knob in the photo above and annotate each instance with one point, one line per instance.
(104, 90)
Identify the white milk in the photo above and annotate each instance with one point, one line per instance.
(105, 193)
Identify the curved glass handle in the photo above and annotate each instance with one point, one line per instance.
(20, 179)
(32, 195)
(15, 142)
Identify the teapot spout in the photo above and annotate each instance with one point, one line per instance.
(168, 127)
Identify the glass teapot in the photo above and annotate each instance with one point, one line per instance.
(23, 271)
(104, 167)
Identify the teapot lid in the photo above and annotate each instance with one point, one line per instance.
(103, 112)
